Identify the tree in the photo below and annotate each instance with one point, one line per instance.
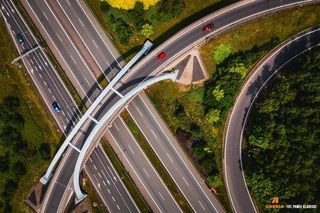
(19, 168)
(147, 30)
(198, 150)
(213, 116)
(215, 181)
(104, 6)
(45, 151)
(239, 68)
(218, 93)
(221, 53)
(260, 186)
(123, 30)
(10, 187)
(261, 142)
(4, 163)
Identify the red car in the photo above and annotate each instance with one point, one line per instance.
(161, 56)
(207, 28)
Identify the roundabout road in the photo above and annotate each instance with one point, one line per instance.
(233, 170)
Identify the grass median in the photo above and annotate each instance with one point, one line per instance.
(143, 143)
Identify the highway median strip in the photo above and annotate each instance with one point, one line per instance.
(176, 193)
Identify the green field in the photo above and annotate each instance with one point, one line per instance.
(195, 113)
(32, 125)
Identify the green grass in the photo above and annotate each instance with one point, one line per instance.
(126, 179)
(192, 12)
(39, 126)
(156, 162)
(283, 25)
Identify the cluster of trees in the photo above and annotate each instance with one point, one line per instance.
(283, 135)
(15, 149)
(231, 69)
(139, 18)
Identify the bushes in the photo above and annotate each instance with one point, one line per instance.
(137, 18)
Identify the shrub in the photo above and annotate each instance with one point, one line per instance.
(147, 30)
(222, 52)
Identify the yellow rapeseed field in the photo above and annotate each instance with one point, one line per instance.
(129, 4)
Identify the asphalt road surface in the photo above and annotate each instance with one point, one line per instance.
(52, 89)
(46, 79)
(145, 176)
(190, 37)
(234, 177)
(172, 156)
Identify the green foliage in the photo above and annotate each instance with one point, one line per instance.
(215, 181)
(123, 30)
(218, 93)
(19, 168)
(283, 134)
(222, 52)
(239, 68)
(198, 149)
(104, 6)
(213, 115)
(45, 151)
(147, 30)
(260, 186)
(259, 142)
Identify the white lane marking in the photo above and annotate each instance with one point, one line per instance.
(45, 15)
(39, 74)
(104, 183)
(45, 83)
(31, 61)
(50, 92)
(68, 3)
(90, 160)
(99, 174)
(118, 207)
(95, 167)
(54, 98)
(63, 113)
(114, 200)
(59, 37)
(105, 176)
(131, 149)
(185, 181)
(13, 32)
(43, 60)
(59, 54)
(31, 71)
(161, 196)
(108, 190)
(85, 78)
(40, 67)
(95, 44)
(114, 177)
(154, 134)
(139, 111)
(201, 205)
(145, 172)
(169, 157)
(80, 22)
(74, 61)
(116, 126)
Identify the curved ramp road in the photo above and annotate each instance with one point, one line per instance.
(270, 65)
(174, 47)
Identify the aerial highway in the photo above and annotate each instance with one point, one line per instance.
(47, 81)
(51, 88)
(192, 35)
(264, 71)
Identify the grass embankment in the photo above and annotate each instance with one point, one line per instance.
(126, 179)
(32, 126)
(164, 25)
(186, 109)
(51, 57)
(143, 143)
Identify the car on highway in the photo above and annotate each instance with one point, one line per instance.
(161, 56)
(208, 28)
(56, 107)
(20, 39)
